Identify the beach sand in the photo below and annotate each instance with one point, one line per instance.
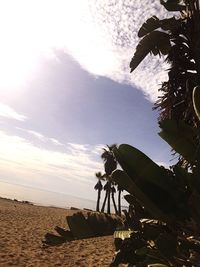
(22, 229)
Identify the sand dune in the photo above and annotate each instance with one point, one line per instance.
(22, 229)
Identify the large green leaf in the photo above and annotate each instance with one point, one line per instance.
(155, 182)
(155, 42)
(142, 169)
(182, 175)
(124, 181)
(130, 199)
(150, 25)
(154, 23)
(79, 226)
(180, 137)
(170, 24)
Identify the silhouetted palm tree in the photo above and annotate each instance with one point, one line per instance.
(110, 164)
(99, 188)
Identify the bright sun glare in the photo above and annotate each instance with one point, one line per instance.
(31, 28)
(28, 31)
(17, 47)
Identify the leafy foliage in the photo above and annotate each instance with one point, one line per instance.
(179, 40)
(153, 243)
(84, 226)
(110, 163)
(155, 42)
(153, 23)
(128, 184)
(184, 74)
(181, 137)
(162, 243)
(172, 246)
(169, 197)
(173, 5)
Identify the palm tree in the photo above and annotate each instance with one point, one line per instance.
(99, 188)
(110, 164)
(179, 40)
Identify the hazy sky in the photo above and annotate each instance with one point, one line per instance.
(66, 90)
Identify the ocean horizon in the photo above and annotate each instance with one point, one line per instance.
(43, 197)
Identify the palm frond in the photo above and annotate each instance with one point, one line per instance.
(173, 5)
(98, 175)
(98, 186)
(153, 23)
(155, 42)
(150, 25)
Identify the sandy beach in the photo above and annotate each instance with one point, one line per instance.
(22, 229)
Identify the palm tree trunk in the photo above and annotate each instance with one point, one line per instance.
(108, 202)
(109, 193)
(98, 200)
(119, 202)
(114, 204)
(104, 202)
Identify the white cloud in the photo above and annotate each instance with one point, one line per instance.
(44, 168)
(8, 112)
(79, 147)
(55, 141)
(36, 134)
(104, 38)
(41, 137)
(100, 34)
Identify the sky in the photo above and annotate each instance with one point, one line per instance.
(66, 90)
